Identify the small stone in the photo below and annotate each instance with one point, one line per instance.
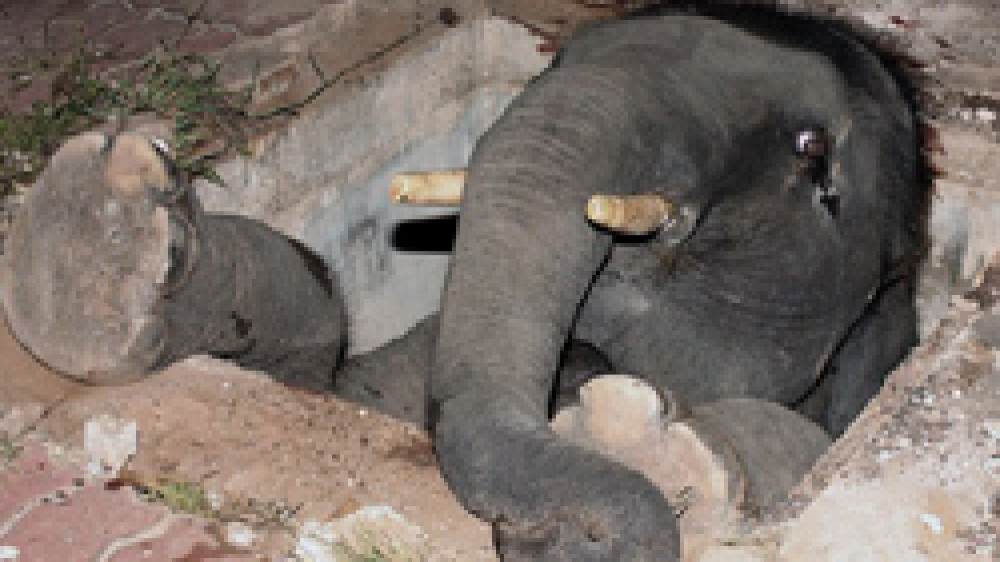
(992, 427)
(19, 418)
(886, 455)
(377, 528)
(963, 304)
(109, 443)
(240, 534)
(214, 500)
(985, 114)
(933, 522)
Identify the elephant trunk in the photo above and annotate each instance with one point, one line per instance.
(523, 213)
(523, 261)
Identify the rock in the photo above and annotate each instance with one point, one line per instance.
(964, 221)
(240, 534)
(372, 532)
(109, 443)
(19, 418)
(896, 518)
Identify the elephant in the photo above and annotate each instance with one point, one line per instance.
(114, 271)
(790, 149)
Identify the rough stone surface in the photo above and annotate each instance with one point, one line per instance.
(369, 531)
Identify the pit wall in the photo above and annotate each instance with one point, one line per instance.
(324, 180)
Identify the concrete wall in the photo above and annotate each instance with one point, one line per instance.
(324, 180)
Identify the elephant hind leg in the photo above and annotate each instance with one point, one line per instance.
(393, 378)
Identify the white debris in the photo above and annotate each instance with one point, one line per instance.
(371, 529)
(885, 455)
(992, 427)
(933, 522)
(985, 114)
(315, 542)
(215, 500)
(109, 443)
(240, 534)
(19, 418)
(9, 553)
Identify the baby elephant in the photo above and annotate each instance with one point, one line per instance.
(787, 159)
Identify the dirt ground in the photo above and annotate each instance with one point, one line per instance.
(257, 446)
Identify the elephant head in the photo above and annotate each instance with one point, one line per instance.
(791, 150)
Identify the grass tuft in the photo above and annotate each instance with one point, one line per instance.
(209, 121)
(8, 450)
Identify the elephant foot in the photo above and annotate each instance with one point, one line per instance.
(720, 462)
(549, 499)
(638, 531)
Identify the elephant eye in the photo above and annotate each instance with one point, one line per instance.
(811, 143)
(812, 147)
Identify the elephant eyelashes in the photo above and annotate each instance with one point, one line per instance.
(812, 147)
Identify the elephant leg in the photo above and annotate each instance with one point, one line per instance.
(260, 300)
(393, 379)
(871, 350)
(546, 498)
(113, 271)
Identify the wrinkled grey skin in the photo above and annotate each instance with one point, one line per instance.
(393, 378)
(765, 291)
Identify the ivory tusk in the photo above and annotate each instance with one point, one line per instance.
(630, 214)
(438, 188)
